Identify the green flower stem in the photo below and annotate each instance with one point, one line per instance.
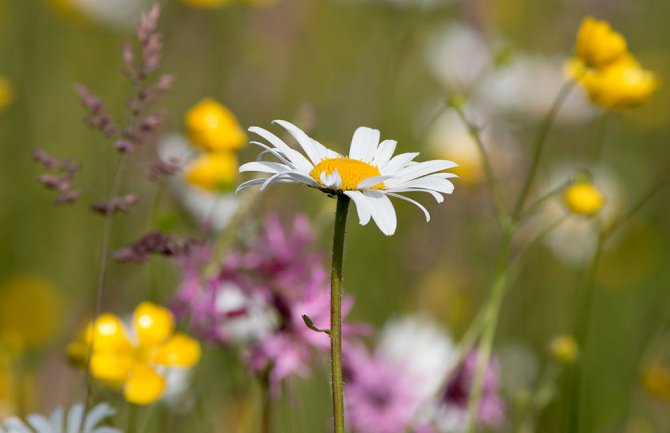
(491, 313)
(336, 313)
(586, 302)
(266, 403)
(539, 146)
(473, 130)
(131, 418)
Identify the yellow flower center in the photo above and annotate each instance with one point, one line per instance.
(351, 171)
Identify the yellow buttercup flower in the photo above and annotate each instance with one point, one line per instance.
(564, 348)
(213, 171)
(213, 127)
(583, 198)
(134, 359)
(6, 93)
(30, 313)
(597, 44)
(621, 86)
(656, 381)
(608, 72)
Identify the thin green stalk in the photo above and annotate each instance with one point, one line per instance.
(336, 313)
(599, 138)
(492, 311)
(539, 146)
(486, 162)
(131, 418)
(582, 334)
(102, 273)
(266, 403)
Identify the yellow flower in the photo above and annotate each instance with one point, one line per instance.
(6, 93)
(135, 363)
(564, 348)
(623, 85)
(213, 127)
(30, 313)
(598, 45)
(656, 381)
(213, 171)
(583, 198)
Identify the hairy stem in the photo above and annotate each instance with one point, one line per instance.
(491, 313)
(539, 146)
(336, 313)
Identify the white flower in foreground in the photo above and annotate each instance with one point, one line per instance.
(76, 422)
(369, 175)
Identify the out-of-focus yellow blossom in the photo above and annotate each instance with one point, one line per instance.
(656, 381)
(564, 348)
(30, 313)
(6, 93)
(621, 86)
(583, 198)
(135, 363)
(610, 74)
(213, 171)
(597, 44)
(213, 127)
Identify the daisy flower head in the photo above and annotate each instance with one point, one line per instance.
(368, 175)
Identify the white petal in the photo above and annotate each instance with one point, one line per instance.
(414, 202)
(438, 197)
(307, 144)
(364, 144)
(382, 211)
(429, 182)
(372, 181)
(296, 157)
(333, 180)
(362, 207)
(100, 412)
(15, 425)
(56, 419)
(422, 169)
(276, 153)
(39, 424)
(302, 178)
(74, 418)
(397, 162)
(264, 167)
(384, 153)
(277, 177)
(249, 183)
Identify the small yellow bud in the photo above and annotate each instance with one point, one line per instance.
(564, 348)
(583, 198)
(213, 171)
(598, 45)
(213, 127)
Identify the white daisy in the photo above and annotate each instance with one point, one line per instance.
(77, 421)
(369, 175)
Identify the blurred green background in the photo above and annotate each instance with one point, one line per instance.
(345, 64)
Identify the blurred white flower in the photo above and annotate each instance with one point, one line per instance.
(253, 319)
(528, 86)
(464, 62)
(112, 13)
(458, 56)
(422, 349)
(77, 421)
(207, 207)
(449, 139)
(575, 239)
